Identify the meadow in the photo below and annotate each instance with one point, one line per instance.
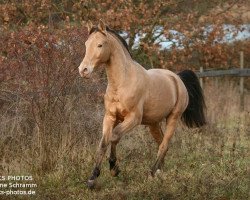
(207, 163)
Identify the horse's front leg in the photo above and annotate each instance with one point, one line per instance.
(108, 124)
(130, 121)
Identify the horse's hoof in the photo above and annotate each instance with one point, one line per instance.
(91, 184)
(115, 171)
(158, 172)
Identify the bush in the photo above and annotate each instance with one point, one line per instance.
(42, 98)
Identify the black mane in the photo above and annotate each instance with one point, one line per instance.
(123, 41)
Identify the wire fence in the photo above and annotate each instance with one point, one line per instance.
(237, 72)
(240, 72)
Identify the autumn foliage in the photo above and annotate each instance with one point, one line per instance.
(184, 24)
(42, 45)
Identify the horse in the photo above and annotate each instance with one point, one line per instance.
(137, 96)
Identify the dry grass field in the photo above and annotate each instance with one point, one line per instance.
(207, 163)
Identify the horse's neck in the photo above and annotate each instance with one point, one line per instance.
(118, 67)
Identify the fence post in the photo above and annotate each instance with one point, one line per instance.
(241, 82)
(201, 79)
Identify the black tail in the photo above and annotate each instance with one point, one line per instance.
(194, 115)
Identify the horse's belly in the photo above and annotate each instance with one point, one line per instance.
(158, 107)
(161, 99)
(156, 114)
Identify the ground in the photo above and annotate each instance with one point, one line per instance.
(208, 163)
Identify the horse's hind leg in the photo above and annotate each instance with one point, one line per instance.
(156, 132)
(171, 125)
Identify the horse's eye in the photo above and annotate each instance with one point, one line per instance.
(99, 45)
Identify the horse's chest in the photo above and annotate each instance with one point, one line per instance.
(116, 108)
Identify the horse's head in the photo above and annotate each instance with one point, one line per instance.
(97, 49)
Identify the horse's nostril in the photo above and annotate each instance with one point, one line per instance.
(85, 70)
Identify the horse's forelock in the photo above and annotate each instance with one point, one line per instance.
(94, 30)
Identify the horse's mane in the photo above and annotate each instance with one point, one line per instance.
(123, 41)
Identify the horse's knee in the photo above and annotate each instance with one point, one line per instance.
(116, 136)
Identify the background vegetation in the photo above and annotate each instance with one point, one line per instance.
(50, 119)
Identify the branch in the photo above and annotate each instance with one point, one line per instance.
(228, 8)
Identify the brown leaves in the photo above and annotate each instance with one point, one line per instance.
(192, 47)
(39, 60)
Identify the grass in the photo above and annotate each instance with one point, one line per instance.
(207, 164)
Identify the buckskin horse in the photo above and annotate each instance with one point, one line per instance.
(137, 96)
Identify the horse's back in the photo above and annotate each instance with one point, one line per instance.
(169, 78)
(161, 72)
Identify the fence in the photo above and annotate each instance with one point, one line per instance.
(236, 72)
(228, 72)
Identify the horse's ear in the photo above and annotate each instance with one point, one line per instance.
(89, 26)
(102, 27)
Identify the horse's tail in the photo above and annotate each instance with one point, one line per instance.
(194, 115)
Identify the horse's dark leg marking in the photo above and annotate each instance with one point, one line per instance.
(96, 172)
(113, 164)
